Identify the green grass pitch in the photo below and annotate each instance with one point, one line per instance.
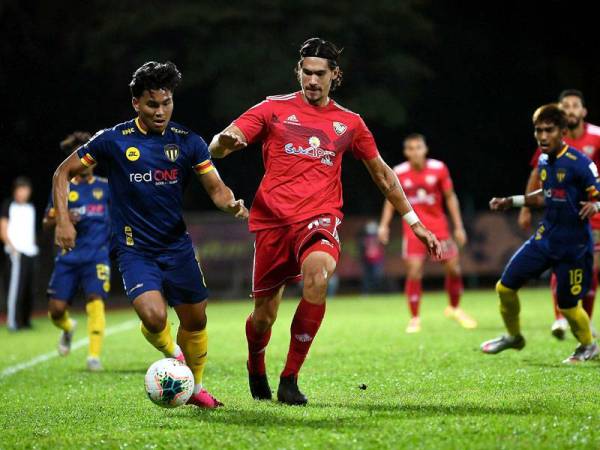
(430, 390)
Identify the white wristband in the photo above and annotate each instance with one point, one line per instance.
(410, 218)
(518, 201)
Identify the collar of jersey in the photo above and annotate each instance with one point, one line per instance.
(141, 130)
(562, 152)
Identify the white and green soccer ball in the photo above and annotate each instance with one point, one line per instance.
(169, 383)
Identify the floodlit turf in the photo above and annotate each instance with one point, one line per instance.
(430, 390)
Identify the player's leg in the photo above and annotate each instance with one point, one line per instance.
(528, 262)
(574, 279)
(590, 297)
(142, 280)
(318, 263)
(258, 334)
(151, 308)
(186, 292)
(560, 325)
(95, 280)
(413, 291)
(61, 289)
(454, 287)
(274, 265)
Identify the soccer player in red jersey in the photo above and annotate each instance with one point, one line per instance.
(428, 186)
(297, 209)
(585, 137)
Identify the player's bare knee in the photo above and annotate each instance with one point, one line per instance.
(315, 285)
(57, 308)
(154, 319)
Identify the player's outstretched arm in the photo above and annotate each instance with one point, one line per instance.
(387, 182)
(533, 199)
(229, 140)
(222, 196)
(64, 233)
(387, 213)
(453, 205)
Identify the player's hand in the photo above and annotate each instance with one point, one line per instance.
(500, 203)
(524, 220)
(237, 209)
(460, 236)
(64, 235)
(383, 234)
(434, 248)
(75, 217)
(231, 141)
(588, 209)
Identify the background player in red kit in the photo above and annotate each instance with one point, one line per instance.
(297, 209)
(585, 137)
(428, 185)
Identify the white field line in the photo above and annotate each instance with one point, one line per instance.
(76, 345)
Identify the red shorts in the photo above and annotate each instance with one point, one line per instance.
(413, 248)
(279, 252)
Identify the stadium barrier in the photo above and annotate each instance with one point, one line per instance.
(225, 249)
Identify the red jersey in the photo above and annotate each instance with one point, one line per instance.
(425, 191)
(302, 154)
(589, 144)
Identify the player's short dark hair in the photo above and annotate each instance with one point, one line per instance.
(320, 48)
(154, 75)
(571, 93)
(21, 181)
(551, 113)
(74, 140)
(415, 137)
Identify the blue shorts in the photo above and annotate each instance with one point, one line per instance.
(175, 273)
(573, 270)
(67, 277)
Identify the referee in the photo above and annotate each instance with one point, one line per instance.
(17, 231)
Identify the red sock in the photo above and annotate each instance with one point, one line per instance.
(590, 297)
(553, 288)
(257, 344)
(305, 325)
(454, 288)
(413, 290)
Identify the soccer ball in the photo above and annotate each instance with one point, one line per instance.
(169, 383)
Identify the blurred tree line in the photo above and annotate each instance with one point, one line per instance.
(66, 65)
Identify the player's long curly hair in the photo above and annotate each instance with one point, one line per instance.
(320, 48)
(74, 140)
(154, 75)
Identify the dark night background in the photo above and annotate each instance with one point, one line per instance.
(468, 76)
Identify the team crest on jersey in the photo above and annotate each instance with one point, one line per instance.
(543, 175)
(339, 128)
(98, 193)
(73, 196)
(560, 175)
(172, 152)
(132, 154)
(588, 150)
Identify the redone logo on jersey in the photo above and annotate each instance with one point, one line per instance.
(158, 176)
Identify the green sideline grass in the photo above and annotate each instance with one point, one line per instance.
(430, 390)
